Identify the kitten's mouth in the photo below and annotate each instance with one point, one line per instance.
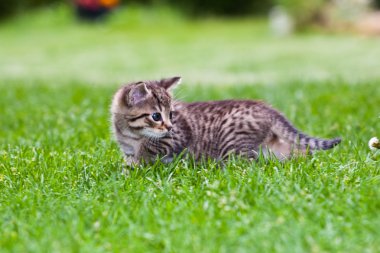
(150, 134)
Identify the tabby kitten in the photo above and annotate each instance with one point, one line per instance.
(148, 124)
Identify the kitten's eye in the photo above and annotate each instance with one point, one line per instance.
(156, 116)
(170, 115)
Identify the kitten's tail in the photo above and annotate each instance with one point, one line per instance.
(285, 130)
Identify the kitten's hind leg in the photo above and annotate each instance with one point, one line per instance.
(279, 148)
(284, 150)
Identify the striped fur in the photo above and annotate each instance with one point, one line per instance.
(213, 129)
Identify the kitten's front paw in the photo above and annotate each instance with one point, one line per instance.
(129, 165)
(167, 159)
(127, 170)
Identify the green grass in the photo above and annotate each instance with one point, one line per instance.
(60, 171)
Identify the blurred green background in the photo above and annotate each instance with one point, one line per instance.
(193, 7)
(269, 42)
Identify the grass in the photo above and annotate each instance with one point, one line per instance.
(60, 172)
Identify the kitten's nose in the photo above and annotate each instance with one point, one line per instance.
(169, 127)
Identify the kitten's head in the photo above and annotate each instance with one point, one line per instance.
(145, 108)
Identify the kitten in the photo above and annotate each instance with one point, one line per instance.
(148, 124)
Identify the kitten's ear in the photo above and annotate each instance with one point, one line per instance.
(167, 83)
(138, 93)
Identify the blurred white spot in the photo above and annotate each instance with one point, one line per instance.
(374, 143)
(281, 23)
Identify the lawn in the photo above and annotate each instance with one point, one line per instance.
(61, 184)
